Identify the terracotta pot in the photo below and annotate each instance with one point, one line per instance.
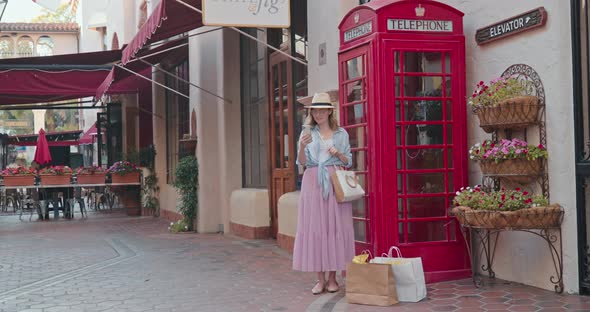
(125, 178)
(97, 178)
(53, 179)
(19, 180)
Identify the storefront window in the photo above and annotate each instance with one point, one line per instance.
(25, 46)
(44, 46)
(177, 116)
(254, 106)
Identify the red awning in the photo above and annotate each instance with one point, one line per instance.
(54, 78)
(168, 19)
(120, 80)
(87, 137)
(88, 58)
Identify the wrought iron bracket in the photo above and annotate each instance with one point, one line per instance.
(482, 246)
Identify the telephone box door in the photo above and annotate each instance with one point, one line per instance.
(424, 152)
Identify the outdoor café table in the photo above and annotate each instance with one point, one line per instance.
(40, 188)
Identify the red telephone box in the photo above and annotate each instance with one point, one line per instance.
(402, 97)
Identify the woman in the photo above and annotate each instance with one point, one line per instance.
(325, 237)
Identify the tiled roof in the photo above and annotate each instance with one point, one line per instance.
(39, 27)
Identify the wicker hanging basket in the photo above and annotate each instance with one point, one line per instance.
(517, 170)
(513, 113)
(528, 218)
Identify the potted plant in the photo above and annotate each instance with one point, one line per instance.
(504, 103)
(187, 183)
(516, 209)
(55, 175)
(511, 159)
(124, 172)
(90, 175)
(18, 176)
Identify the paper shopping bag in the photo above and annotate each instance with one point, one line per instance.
(409, 275)
(371, 284)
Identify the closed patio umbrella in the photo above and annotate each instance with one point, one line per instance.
(42, 155)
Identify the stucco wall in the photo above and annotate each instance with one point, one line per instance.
(520, 256)
(214, 59)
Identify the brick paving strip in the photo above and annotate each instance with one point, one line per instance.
(119, 264)
(124, 253)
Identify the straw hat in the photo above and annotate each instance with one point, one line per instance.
(321, 100)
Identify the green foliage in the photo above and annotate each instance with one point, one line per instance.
(147, 157)
(179, 226)
(62, 15)
(187, 183)
(150, 191)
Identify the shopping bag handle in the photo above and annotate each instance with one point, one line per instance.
(367, 251)
(398, 252)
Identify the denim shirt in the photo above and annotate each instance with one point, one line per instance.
(312, 153)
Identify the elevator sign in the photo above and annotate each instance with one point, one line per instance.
(419, 25)
(525, 21)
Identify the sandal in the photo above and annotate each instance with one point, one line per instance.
(333, 289)
(318, 288)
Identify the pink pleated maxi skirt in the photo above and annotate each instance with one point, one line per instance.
(325, 236)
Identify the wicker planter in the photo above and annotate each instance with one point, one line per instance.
(125, 178)
(19, 180)
(517, 170)
(529, 218)
(514, 113)
(54, 179)
(97, 178)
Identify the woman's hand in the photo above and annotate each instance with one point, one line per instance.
(334, 152)
(305, 140)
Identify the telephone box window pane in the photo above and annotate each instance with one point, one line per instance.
(400, 185)
(397, 83)
(400, 208)
(396, 61)
(423, 62)
(358, 209)
(427, 231)
(399, 158)
(448, 87)
(400, 232)
(357, 137)
(426, 207)
(449, 134)
(450, 158)
(354, 91)
(398, 111)
(354, 67)
(424, 110)
(449, 109)
(398, 135)
(431, 158)
(423, 86)
(358, 161)
(423, 134)
(355, 114)
(425, 183)
(451, 183)
(360, 230)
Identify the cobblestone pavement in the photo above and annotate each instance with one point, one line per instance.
(110, 262)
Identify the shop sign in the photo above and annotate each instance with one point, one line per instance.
(419, 25)
(247, 13)
(358, 31)
(15, 123)
(525, 21)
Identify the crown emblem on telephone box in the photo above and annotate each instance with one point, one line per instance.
(420, 10)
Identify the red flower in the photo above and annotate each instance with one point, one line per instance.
(525, 193)
(517, 189)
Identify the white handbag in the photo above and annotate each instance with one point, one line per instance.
(408, 273)
(346, 186)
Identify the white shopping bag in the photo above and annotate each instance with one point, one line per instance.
(408, 273)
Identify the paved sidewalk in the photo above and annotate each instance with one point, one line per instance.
(110, 262)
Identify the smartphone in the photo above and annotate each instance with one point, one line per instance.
(306, 129)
